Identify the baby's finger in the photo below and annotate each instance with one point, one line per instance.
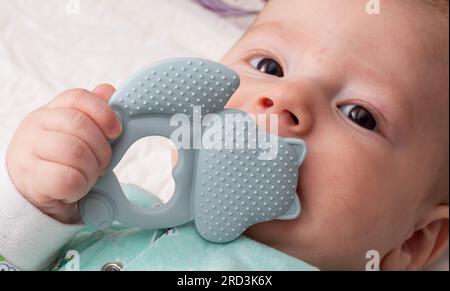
(105, 91)
(93, 106)
(69, 151)
(80, 125)
(61, 182)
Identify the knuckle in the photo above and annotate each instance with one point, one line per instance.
(71, 96)
(103, 112)
(76, 93)
(99, 105)
(31, 118)
(79, 121)
(76, 97)
(72, 181)
(66, 183)
(78, 151)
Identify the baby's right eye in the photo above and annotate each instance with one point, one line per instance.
(268, 66)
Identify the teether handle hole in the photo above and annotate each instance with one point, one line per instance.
(148, 164)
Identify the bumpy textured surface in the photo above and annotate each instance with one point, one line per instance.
(236, 188)
(176, 86)
(225, 187)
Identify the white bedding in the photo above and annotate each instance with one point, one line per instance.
(44, 50)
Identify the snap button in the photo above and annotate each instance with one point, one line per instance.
(112, 267)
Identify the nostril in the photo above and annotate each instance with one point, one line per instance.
(266, 103)
(295, 118)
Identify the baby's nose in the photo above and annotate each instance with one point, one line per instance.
(293, 118)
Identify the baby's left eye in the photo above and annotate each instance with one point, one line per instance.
(268, 66)
(360, 115)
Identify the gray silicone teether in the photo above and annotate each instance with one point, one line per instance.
(224, 190)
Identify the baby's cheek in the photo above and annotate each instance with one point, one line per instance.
(341, 193)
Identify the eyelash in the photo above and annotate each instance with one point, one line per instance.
(349, 109)
(263, 54)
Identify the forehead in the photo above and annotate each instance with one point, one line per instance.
(402, 26)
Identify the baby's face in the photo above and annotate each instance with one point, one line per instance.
(369, 95)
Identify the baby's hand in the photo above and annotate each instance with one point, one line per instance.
(61, 149)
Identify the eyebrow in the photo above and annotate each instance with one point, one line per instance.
(381, 82)
(279, 29)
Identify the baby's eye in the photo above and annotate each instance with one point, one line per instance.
(360, 116)
(268, 66)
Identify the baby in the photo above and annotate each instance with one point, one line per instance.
(367, 92)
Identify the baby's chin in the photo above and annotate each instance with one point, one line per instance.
(285, 236)
(273, 233)
(264, 233)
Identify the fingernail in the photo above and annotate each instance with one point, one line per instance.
(117, 128)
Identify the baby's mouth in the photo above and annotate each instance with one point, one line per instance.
(263, 123)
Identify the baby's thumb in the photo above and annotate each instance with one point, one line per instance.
(105, 91)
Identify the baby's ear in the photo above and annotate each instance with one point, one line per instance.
(427, 243)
